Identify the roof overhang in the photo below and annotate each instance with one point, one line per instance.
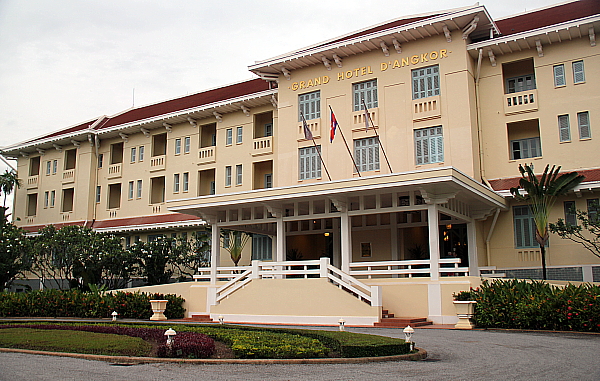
(557, 33)
(452, 20)
(436, 185)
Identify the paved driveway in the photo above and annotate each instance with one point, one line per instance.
(453, 355)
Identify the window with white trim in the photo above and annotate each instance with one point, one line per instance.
(367, 92)
(52, 198)
(228, 136)
(583, 121)
(98, 193)
(366, 154)
(309, 164)
(268, 180)
(559, 75)
(46, 198)
(238, 174)
(54, 166)
(578, 72)
(187, 144)
(570, 213)
(564, 129)
(524, 226)
(228, 176)
(177, 146)
(520, 83)
(133, 155)
(525, 148)
(239, 135)
(426, 82)
(48, 166)
(309, 104)
(186, 181)
(141, 154)
(429, 145)
(130, 191)
(100, 162)
(139, 189)
(176, 183)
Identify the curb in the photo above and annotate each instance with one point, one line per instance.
(421, 354)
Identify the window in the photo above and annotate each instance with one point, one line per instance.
(116, 153)
(268, 129)
(524, 227)
(114, 196)
(48, 166)
(186, 181)
(46, 199)
(570, 215)
(366, 154)
(176, 183)
(367, 92)
(128, 241)
(429, 145)
(578, 72)
(34, 166)
(309, 163)
(238, 174)
(68, 196)
(177, 146)
(98, 193)
(228, 176)
(239, 135)
(426, 82)
(186, 145)
(309, 105)
(525, 148)
(593, 208)
(133, 154)
(268, 180)
(31, 204)
(520, 83)
(52, 198)
(54, 166)
(213, 188)
(229, 136)
(130, 191)
(583, 121)
(100, 160)
(559, 75)
(564, 130)
(262, 247)
(141, 154)
(139, 189)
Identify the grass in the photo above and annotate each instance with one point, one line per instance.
(74, 342)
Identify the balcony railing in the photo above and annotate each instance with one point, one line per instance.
(207, 155)
(426, 108)
(358, 119)
(32, 181)
(158, 163)
(262, 146)
(114, 170)
(524, 101)
(68, 176)
(314, 125)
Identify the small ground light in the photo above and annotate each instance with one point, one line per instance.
(221, 319)
(342, 324)
(114, 315)
(408, 332)
(170, 333)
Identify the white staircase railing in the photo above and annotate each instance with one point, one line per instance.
(407, 269)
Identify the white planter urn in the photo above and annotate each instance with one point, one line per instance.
(464, 312)
(158, 307)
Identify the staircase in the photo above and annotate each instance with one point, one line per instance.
(389, 321)
(199, 319)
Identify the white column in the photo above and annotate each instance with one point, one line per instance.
(280, 254)
(337, 260)
(434, 241)
(394, 237)
(346, 241)
(472, 248)
(215, 252)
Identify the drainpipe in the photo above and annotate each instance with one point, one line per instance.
(478, 116)
(489, 237)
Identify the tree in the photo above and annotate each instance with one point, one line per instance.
(586, 233)
(541, 194)
(15, 251)
(234, 242)
(8, 182)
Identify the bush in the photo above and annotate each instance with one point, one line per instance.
(75, 303)
(537, 305)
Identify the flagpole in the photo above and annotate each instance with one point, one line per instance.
(348, 148)
(376, 134)
(305, 126)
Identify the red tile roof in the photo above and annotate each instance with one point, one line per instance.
(549, 16)
(187, 102)
(512, 182)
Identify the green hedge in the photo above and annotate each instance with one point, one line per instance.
(537, 305)
(75, 303)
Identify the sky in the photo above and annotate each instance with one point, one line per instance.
(63, 62)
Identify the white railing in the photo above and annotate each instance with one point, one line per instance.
(240, 276)
(407, 269)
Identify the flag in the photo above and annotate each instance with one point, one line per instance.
(366, 115)
(334, 126)
(307, 134)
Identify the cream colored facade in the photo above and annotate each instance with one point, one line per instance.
(456, 101)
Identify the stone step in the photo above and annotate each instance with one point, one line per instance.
(402, 322)
(200, 318)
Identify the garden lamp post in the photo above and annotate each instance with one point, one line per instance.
(170, 333)
(408, 332)
(342, 323)
(221, 319)
(114, 315)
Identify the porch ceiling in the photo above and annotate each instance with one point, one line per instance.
(437, 186)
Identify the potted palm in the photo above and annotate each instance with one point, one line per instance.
(465, 306)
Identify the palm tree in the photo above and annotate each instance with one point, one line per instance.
(8, 182)
(541, 194)
(234, 242)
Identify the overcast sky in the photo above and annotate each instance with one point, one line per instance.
(63, 62)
